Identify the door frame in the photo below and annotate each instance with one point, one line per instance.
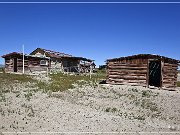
(161, 76)
(15, 60)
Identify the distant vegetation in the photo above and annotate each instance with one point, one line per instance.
(57, 82)
(1, 65)
(61, 82)
(1, 68)
(102, 67)
(178, 84)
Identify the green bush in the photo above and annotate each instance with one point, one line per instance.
(178, 84)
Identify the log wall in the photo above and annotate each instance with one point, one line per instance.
(127, 71)
(169, 74)
(30, 65)
(135, 72)
(9, 65)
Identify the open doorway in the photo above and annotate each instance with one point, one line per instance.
(155, 73)
(15, 64)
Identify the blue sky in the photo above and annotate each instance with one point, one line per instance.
(96, 31)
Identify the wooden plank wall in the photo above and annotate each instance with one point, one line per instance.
(127, 71)
(169, 74)
(20, 65)
(30, 65)
(135, 72)
(34, 65)
(9, 65)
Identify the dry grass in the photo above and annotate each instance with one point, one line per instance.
(58, 82)
(9, 81)
(11, 78)
(61, 82)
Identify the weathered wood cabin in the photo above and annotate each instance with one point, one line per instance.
(43, 60)
(14, 63)
(143, 69)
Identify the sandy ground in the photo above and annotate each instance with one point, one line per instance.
(96, 109)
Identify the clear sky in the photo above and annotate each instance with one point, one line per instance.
(96, 31)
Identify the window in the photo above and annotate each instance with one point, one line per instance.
(43, 62)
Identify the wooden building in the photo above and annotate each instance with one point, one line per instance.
(43, 60)
(143, 69)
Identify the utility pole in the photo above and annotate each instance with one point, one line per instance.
(23, 58)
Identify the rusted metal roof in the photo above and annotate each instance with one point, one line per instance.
(149, 56)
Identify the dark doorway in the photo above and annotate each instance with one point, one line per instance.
(155, 73)
(15, 64)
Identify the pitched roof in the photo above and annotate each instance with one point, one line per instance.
(11, 54)
(16, 54)
(149, 56)
(55, 54)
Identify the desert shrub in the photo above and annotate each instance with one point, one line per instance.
(28, 96)
(108, 109)
(146, 93)
(139, 117)
(114, 109)
(147, 104)
(133, 89)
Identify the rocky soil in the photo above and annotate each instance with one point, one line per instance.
(90, 109)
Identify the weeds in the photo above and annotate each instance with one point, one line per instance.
(2, 96)
(133, 90)
(28, 96)
(108, 109)
(140, 117)
(146, 94)
(178, 84)
(146, 104)
(62, 82)
(11, 78)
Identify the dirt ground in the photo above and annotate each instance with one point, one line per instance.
(91, 109)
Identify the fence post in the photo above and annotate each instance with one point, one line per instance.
(47, 72)
(90, 71)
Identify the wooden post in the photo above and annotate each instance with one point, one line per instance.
(23, 59)
(90, 72)
(162, 66)
(147, 76)
(47, 72)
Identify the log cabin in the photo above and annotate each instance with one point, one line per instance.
(42, 60)
(143, 69)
